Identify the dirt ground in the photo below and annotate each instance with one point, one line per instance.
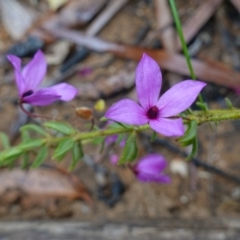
(193, 192)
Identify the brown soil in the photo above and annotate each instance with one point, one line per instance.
(198, 194)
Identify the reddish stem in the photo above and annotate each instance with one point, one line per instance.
(32, 115)
(92, 124)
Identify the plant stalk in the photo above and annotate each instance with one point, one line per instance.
(183, 42)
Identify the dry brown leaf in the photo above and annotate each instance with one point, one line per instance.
(163, 17)
(78, 13)
(74, 13)
(112, 8)
(167, 38)
(124, 79)
(58, 52)
(43, 182)
(210, 71)
(16, 18)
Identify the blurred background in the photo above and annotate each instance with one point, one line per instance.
(95, 46)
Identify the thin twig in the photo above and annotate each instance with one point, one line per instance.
(33, 115)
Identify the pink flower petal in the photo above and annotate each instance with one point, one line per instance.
(34, 71)
(149, 168)
(146, 177)
(179, 97)
(16, 62)
(114, 159)
(85, 71)
(152, 164)
(148, 82)
(111, 139)
(66, 91)
(168, 127)
(42, 97)
(127, 111)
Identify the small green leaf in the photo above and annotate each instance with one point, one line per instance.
(98, 140)
(33, 127)
(153, 137)
(229, 103)
(63, 147)
(114, 126)
(186, 143)
(103, 119)
(194, 149)
(203, 106)
(129, 150)
(5, 140)
(77, 154)
(122, 125)
(41, 156)
(102, 147)
(31, 145)
(60, 127)
(117, 125)
(25, 160)
(120, 138)
(189, 111)
(189, 134)
(9, 162)
(10, 153)
(25, 135)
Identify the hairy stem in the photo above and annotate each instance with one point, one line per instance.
(215, 115)
(98, 133)
(199, 116)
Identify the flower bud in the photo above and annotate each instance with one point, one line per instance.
(100, 105)
(84, 113)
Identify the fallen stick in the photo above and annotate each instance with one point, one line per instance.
(192, 26)
(209, 71)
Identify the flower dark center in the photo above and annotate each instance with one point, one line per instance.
(153, 112)
(28, 93)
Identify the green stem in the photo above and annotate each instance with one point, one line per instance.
(215, 115)
(100, 133)
(199, 116)
(183, 42)
(107, 132)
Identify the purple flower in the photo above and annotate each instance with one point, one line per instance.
(149, 169)
(29, 78)
(114, 159)
(113, 139)
(85, 71)
(160, 113)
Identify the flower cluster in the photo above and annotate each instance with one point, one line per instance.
(160, 113)
(28, 82)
